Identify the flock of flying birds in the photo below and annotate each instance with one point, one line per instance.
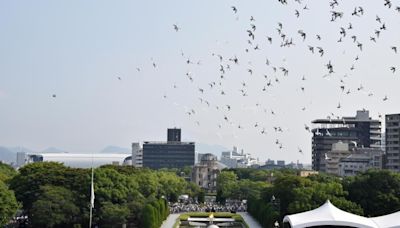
(311, 42)
(285, 40)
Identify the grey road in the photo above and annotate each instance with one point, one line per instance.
(170, 221)
(250, 220)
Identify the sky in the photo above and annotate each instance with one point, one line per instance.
(97, 58)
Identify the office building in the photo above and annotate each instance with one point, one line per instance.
(170, 154)
(392, 138)
(341, 161)
(137, 155)
(361, 131)
(21, 159)
(339, 150)
(360, 161)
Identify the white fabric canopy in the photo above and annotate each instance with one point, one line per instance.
(328, 214)
(388, 221)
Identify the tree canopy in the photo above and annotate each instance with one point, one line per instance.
(8, 204)
(54, 206)
(121, 193)
(377, 191)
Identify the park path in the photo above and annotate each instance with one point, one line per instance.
(249, 220)
(170, 221)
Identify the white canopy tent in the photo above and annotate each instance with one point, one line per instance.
(388, 221)
(327, 215)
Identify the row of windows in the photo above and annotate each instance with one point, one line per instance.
(396, 117)
(389, 148)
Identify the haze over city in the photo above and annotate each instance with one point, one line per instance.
(83, 75)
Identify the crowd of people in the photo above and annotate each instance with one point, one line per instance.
(189, 206)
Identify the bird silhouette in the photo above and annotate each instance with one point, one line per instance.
(320, 51)
(388, 3)
(250, 34)
(234, 9)
(378, 19)
(297, 13)
(176, 27)
(302, 34)
(342, 32)
(385, 98)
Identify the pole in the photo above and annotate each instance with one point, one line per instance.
(91, 201)
(91, 196)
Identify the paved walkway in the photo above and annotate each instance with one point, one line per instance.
(249, 220)
(171, 219)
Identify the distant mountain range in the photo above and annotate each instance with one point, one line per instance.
(7, 155)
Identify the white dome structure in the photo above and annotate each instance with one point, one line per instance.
(212, 226)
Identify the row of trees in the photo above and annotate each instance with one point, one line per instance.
(155, 213)
(53, 195)
(8, 203)
(372, 193)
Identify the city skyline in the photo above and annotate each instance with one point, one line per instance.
(80, 75)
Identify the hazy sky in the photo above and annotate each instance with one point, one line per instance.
(78, 49)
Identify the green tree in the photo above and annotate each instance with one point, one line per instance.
(201, 196)
(283, 190)
(247, 188)
(227, 185)
(54, 207)
(313, 194)
(377, 191)
(147, 181)
(31, 177)
(111, 186)
(8, 204)
(149, 218)
(116, 192)
(6, 172)
(192, 189)
(170, 185)
(113, 215)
